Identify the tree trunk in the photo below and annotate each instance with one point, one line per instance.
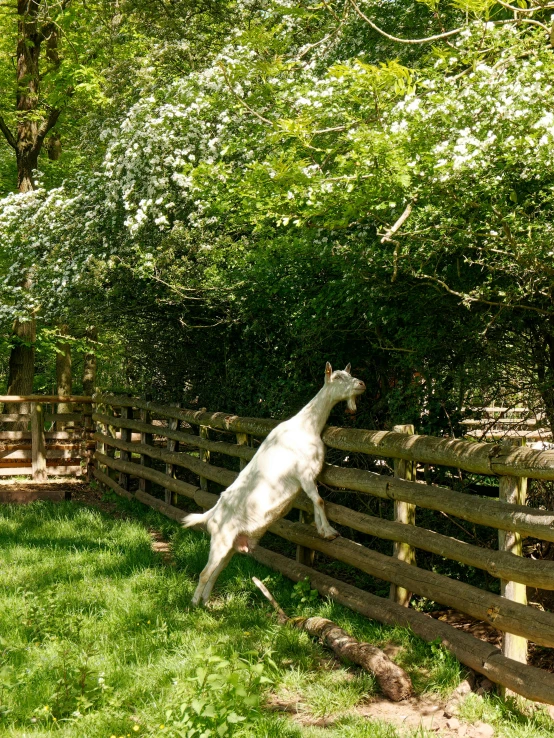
(89, 366)
(63, 374)
(27, 143)
(21, 367)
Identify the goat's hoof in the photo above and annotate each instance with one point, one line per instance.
(331, 534)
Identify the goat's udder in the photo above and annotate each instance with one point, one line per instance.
(244, 544)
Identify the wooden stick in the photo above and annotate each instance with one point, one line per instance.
(394, 682)
(281, 614)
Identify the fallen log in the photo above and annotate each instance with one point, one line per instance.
(394, 682)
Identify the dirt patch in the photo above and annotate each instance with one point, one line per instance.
(426, 713)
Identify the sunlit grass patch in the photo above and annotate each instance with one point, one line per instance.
(97, 638)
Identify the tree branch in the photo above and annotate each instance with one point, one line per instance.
(46, 126)
(403, 40)
(439, 36)
(525, 10)
(399, 223)
(7, 133)
(239, 98)
(470, 298)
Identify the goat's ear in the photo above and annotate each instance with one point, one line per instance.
(328, 372)
(347, 368)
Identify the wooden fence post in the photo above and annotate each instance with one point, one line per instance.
(243, 439)
(111, 431)
(101, 408)
(145, 485)
(404, 512)
(514, 491)
(172, 445)
(38, 443)
(126, 435)
(204, 432)
(305, 555)
(86, 453)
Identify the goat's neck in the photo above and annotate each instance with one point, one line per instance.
(314, 415)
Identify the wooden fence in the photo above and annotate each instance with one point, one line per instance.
(43, 442)
(132, 433)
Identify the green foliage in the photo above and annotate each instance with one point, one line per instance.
(303, 593)
(226, 696)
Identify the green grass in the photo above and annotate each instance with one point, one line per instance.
(97, 639)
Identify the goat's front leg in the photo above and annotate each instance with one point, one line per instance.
(322, 524)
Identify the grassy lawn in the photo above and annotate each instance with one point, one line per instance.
(97, 639)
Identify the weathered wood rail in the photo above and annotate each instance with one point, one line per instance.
(33, 448)
(170, 438)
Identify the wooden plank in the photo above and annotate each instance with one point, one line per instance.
(217, 474)
(404, 512)
(525, 520)
(305, 555)
(499, 564)
(186, 439)
(136, 470)
(62, 417)
(38, 442)
(479, 458)
(52, 471)
(46, 398)
(514, 491)
(49, 453)
(112, 484)
(14, 435)
(15, 417)
(243, 439)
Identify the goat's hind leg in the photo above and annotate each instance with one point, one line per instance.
(221, 551)
(322, 524)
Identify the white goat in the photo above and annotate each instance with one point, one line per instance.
(289, 459)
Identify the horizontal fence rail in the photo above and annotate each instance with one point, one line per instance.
(43, 443)
(152, 447)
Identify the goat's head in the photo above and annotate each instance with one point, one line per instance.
(343, 385)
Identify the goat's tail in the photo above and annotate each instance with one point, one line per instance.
(196, 519)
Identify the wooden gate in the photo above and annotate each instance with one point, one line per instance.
(44, 442)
